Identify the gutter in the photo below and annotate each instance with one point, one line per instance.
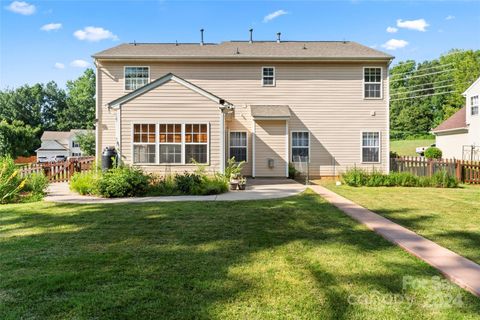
(236, 59)
(449, 130)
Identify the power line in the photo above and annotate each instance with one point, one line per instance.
(407, 92)
(422, 75)
(418, 70)
(426, 95)
(424, 84)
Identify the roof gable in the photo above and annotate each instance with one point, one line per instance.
(117, 103)
(51, 145)
(457, 121)
(471, 87)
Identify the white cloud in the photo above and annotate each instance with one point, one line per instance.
(392, 29)
(22, 7)
(59, 65)
(394, 44)
(419, 24)
(94, 34)
(51, 26)
(269, 17)
(79, 63)
(449, 17)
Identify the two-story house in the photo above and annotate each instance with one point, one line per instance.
(459, 136)
(165, 106)
(59, 144)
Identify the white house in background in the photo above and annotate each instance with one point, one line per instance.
(459, 136)
(59, 143)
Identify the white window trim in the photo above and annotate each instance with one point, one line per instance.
(229, 143)
(124, 78)
(274, 77)
(157, 142)
(379, 146)
(381, 83)
(474, 105)
(133, 144)
(292, 147)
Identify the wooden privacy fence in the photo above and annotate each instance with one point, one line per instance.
(464, 171)
(59, 171)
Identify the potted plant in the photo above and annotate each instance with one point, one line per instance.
(234, 180)
(242, 183)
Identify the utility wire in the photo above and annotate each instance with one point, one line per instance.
(422, 75)
(423, 84)
(421, 96)
(407, 92)
(418, 70)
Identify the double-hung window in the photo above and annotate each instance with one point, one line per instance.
(474, 105)
(370, 147)
(144, 143)
(196, 143)
(170, 143)
(238, 145)
(372, 82)
(136, 77)
(300, 146)
(268, 76)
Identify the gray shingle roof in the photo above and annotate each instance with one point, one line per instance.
(270, 111)
(457, 121)
(239, 50)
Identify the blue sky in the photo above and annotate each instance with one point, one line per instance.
(53, 40)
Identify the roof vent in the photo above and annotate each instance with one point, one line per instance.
(251, 35)
(134, 43)
(237, 52)
(304, 46)
(201, 37)
(176, 43)
(278, 36)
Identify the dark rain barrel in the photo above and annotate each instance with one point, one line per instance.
(108, 157)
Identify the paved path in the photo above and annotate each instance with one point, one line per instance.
(458, 269)
(257, 189)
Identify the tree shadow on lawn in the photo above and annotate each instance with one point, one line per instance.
(194, 260)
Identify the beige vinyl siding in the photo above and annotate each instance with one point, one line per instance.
(270, 143)
(171, 103)
(325, 98)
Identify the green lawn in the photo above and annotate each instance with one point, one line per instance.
(294, 258)
(450, 217)
(407, 147)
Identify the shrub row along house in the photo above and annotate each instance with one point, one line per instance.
(459, 136)
(166, 106)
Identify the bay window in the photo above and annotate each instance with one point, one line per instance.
(370, 147)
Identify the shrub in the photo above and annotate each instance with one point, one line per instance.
(85, 183)
(10, 181)
(36, 183)
(123, 181)
(292, 171)
(188, 182)
(358, 177)
(212, 185)
(433, 153)
(162, 186)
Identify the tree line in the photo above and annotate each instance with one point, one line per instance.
(427, 93)
(27, 111)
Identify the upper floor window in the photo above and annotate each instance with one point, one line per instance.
(372, 81)
(268, 76)
(75, 144)
(136, 77)
(371, 147)
(474, 105)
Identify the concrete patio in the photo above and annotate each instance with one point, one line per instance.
(257, 189)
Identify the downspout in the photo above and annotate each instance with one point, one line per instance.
(98, 116)
(222, 140)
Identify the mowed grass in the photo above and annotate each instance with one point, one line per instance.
(294, 258)
(407, 147)
(450, 217)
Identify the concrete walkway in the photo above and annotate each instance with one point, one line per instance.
(458, 269)
(257, 189)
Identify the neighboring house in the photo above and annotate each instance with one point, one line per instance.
(268, 103)
(459, 136)
(59, 143)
